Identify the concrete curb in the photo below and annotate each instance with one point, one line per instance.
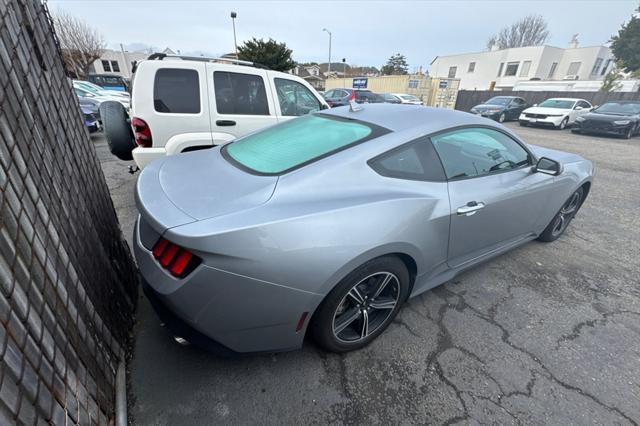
(121, 395)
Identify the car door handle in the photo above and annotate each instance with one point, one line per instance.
(225, 123)
(470, 209)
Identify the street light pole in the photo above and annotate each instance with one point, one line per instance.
(329, 67)
(235, 42)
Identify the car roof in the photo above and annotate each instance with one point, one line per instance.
(565, 99)
(399, 117)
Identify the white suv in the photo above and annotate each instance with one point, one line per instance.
(183, 104)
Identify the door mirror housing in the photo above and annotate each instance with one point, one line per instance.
(578, 108)
(535, 105)
(548, 166)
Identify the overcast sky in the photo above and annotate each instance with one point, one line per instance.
(364, 32)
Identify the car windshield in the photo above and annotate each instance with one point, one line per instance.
(623, 108)
(557, 103)
(409, 98)
(295, 142)
(499, 100)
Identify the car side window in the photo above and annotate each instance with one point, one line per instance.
(328, 94)
(176, 91)
(478, 151)
(416, 160)
(295, 99)
(584, 104)
(242, 94)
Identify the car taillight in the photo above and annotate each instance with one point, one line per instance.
(178, 261)
(353, 96)
(141, 132)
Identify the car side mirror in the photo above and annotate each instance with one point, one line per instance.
(548, 166)
(535, 105)
(578, 108)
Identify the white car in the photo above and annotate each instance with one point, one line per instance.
(183, 104)
(402, 98)
(100, 91)
(555, 112)
(84, 93)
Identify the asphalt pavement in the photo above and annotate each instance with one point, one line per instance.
(548, 333)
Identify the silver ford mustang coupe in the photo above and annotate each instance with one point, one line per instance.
(327, 223)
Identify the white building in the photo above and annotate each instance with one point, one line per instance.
(502, 69)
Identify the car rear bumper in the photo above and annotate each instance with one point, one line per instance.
(223, 311)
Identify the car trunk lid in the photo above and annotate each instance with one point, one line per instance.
(199, 185)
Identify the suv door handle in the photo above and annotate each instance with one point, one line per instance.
(470, 209)
(225, 123)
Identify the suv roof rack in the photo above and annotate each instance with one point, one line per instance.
(161, 56)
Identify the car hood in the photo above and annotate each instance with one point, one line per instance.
(545, 110)
(189, 187)
(561, 156)
(608, 117)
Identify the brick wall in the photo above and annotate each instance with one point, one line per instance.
(67, 280)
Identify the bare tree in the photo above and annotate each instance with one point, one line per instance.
(528, 31)
(81, 45)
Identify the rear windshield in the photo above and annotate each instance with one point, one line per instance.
(296, 142)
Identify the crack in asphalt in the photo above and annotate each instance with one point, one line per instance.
(592, 323)
(505, 338)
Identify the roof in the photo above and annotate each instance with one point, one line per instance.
(399, 117)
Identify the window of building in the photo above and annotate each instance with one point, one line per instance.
(115, 67)
(500, 69)
(452, 72)
(472, 67)
(552, 71)
(512, 69)
(176, 91)
(606, 67)
(524, 70)
(106, 66)
(574, 67)
(477, 152)
(238, 93)
(295, 99)
(413, 84)
(596, 66)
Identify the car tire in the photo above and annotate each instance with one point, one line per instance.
(576, 131)
(628, 133)
(563, 218)
(351, 305)
(502, 118)
(563, 123)
(117, 129)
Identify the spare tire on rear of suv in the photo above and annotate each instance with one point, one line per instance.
(117, 129)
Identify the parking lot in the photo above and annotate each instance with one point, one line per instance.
(548, 333)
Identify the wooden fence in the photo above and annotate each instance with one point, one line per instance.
(469, 98)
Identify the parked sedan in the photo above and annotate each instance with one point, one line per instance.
(621, 118)
(83, 93)
(401, 98)
(342, 97)
(501, 108)
(556, 112)
(299, 238)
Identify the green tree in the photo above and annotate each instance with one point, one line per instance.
(274, 55)
(396, 65)
(611, 82)
(626, 45)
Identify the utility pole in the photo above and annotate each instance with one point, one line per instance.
(329, 67)
(235, 42)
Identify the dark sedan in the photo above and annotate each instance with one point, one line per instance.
(342, 97)
(501, 108)
(620, 118)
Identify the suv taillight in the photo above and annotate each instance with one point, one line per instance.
(141, 132)
(178, 261)
(353, 96)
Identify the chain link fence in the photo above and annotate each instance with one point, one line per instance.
(68, 284)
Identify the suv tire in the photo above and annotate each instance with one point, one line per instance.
(117, 129)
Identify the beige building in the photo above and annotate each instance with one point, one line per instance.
(437, 92)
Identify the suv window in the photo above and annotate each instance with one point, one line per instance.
(329, 94)
(413, 161)
(295, 99)
(242, 94)
(296, 142)
(478, 151)
(176, 91)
